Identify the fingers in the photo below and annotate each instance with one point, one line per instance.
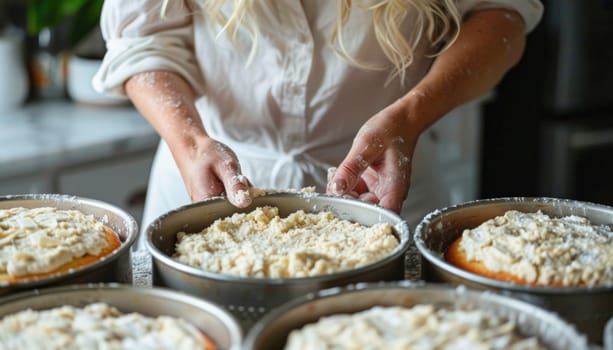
(238, 191)
(215, 171)
(369, 197)
(205, 186)
(394, 181)
(365, 150)
(209, 185)
(235, 183)
(393, 198)
(386, 187)
(379, 174)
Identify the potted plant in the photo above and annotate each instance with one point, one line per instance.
(77, 45)
(81, 17)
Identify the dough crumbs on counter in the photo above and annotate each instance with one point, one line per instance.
(543, 250)
(262, 244)
(419, 327)
(96, 326)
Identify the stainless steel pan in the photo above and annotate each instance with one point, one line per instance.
(250, 298)
(271, 332)
(212, 320)
(114, 268)
(587, 307)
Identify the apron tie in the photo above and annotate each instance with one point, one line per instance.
(288, 169)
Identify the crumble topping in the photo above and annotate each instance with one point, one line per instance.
(262, 244)
(40, 240)
(544, 250)
(419, 327)
(95, 326)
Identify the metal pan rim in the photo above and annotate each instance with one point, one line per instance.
(295, 303)
(230, 323)
(401, 228)
(126, 244)
(433, 257)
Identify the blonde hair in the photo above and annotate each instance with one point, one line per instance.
(438, 21)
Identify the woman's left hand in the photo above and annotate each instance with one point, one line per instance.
(377, 168)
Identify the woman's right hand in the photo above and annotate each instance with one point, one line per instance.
(208, 167)
(212, 169)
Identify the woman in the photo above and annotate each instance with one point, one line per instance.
(275, 93)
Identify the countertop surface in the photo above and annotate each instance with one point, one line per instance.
(45, 135)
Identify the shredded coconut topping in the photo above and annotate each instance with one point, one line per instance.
(262, 244)
(419, 327)
(96, 326)
(43, 239)
(544, 250)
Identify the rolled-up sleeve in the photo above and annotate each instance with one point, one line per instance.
(140, 38)
(530, 10)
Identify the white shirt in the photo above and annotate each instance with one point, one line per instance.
(294, 110)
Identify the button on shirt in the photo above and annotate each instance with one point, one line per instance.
(293, 110)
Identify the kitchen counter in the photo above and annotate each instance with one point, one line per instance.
(44, 136)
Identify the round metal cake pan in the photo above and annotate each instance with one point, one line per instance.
(271, 332)
(250, 298)
(116, 267)
(587, 307)
(212, 320)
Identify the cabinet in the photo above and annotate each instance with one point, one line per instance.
(41, 183)
(121, 182)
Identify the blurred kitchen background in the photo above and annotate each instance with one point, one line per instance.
(547, 130)
(60, 136)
